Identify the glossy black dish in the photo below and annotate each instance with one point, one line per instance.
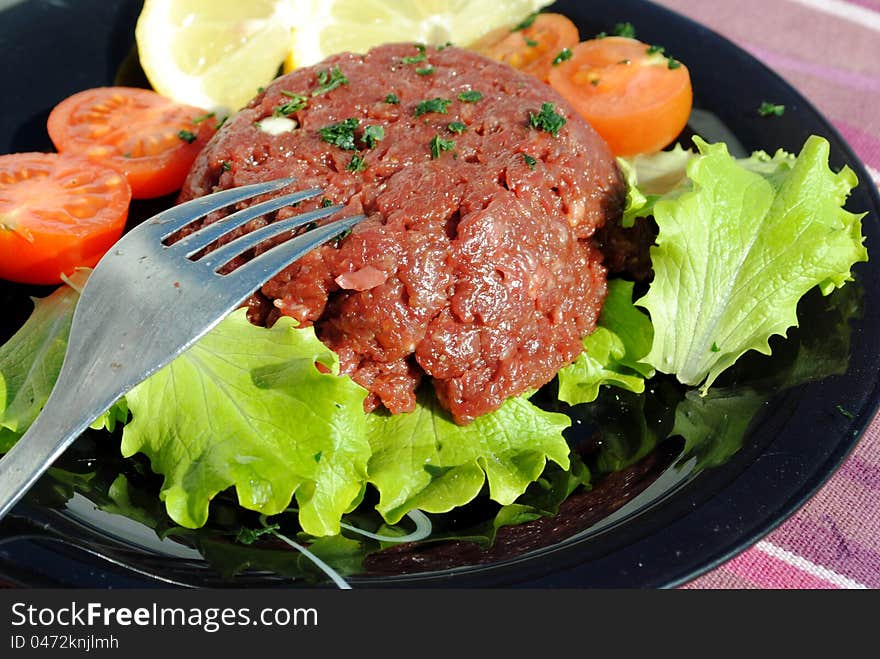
(657, 521)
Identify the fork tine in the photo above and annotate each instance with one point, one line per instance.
(167, 222)
(268, 264)
(223, 255)
(209, 233)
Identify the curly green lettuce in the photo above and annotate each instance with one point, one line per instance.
(735, 254)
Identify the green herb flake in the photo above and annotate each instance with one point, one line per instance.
(672, 63)
(439, 105)
(626, 29)
(438, 145)
(525, 23)
(564, 54)
(341, 134)
(392, 99)
(715, 347)
(456, 127)
(620, 30)
(296, 103)
(226, 166)
(547, 119)
(470, 96)
(413, 59)
(328, 80)
(325, 202)
(654, 50)
(204, 117)
(530, 161)
(356, 164)
(845, 412)
(373, 135)
(531, 43)
(428, 70)
(187, 136)
(771, 110)
(337, 240)
(248, 536)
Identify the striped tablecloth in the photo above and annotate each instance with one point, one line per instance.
(830, 51)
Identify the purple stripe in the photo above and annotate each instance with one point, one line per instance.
(867, 146)
(861, 472)
(820, 541)
(867, 4)
(860, 81)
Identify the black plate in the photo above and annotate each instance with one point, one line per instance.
(657, 523)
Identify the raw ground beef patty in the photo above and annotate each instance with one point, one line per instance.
(475, 267)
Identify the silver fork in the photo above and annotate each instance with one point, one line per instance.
(147, 302)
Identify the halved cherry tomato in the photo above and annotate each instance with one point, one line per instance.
(531, 49)
(635, 97)
(154, 140)
(57, 212)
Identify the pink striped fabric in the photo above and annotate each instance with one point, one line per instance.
(830, 51)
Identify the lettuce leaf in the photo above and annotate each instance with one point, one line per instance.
(734, 256)
(31, 360)
(424, 460)
(614, 353)
(247, 408)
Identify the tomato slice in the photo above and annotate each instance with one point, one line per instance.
(57, 212)
(531, 49)
(153, 139)
(635, 97)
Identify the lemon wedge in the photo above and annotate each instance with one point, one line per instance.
(331, 26)
(213, 54)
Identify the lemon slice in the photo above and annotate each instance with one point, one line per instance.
(213, 54)
(332, 26)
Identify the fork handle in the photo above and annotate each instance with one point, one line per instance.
(47, 438)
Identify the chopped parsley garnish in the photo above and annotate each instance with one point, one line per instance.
(439, 105)
(655, 49)
(845, 412)
(297, 102)
(226, 166)
(470, 96)
(413, 59)
(341, 134)
(372, 135)
(187, 136)
(392, 99)
(673, 63)
(530, 161)
(204, 117)
(356, 164)
(325, 202)
(444, 46)
(342, 236)
(525, 23)
(531, 43)
(438, 145)
(329, 79)
(771, 110)
(620, 30)
(563, 55)
(248, 536)
(715, 347)
(428, 70)
(456, 127)
(547, 119)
